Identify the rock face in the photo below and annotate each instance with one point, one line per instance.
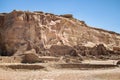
(40, 31)
(62, 50)
(94, 51)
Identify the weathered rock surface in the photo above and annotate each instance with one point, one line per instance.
(94, 51)
(62, 50)
(40, 31)
(30, 56)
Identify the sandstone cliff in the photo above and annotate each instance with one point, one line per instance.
(40, 31)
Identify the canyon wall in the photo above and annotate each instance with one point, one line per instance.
(38, 30)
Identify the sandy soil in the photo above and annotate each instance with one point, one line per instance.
(60, 74)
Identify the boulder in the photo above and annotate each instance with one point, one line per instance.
(94, 51)
(30, 56)
(99, 50)
(57, 50)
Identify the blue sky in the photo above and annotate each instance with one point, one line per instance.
(103, 14)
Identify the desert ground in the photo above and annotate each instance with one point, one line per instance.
(60, 74)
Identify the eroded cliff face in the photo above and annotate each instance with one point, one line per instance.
(40, 30)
